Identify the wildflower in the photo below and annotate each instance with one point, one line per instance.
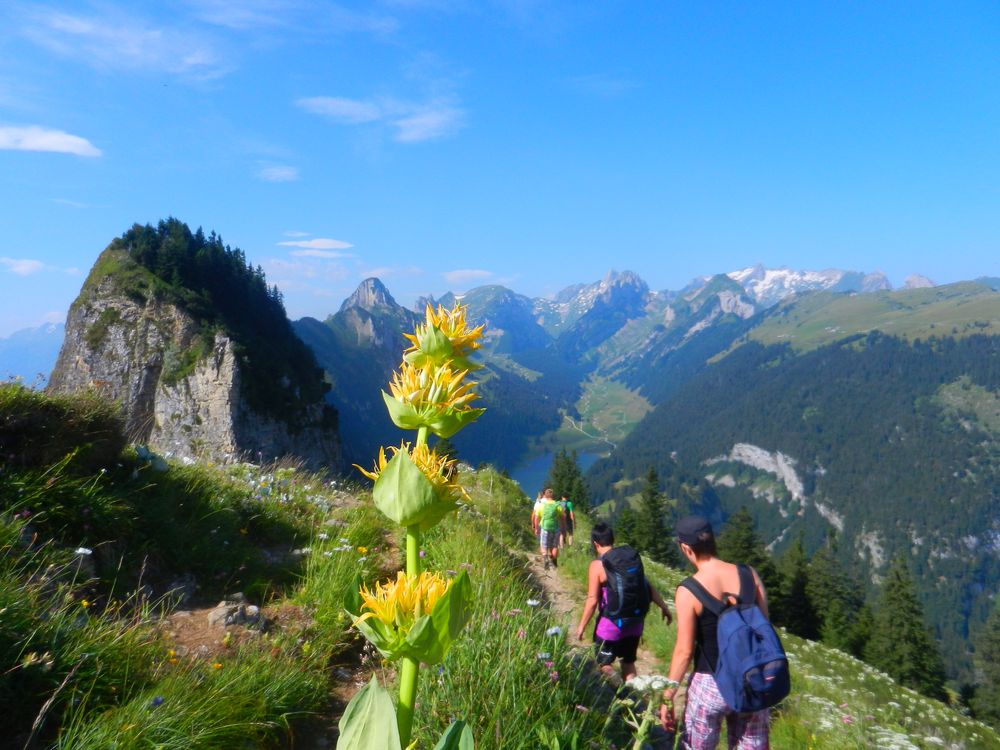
(554, 630)
(323, 536)
(554, 675)
(414, 615)
(445, 337)
(549, 664)
(85, 603)
(521, 633)
(363, 550)
(543, 655)
(513, 612)
(83, 551)
(217, 665)
(156, 702)
(423, 553)
(582, 709)
(435, 398)
(415, 486)
(532, 602)
(398, 603)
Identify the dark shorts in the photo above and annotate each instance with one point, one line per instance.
(607, 651)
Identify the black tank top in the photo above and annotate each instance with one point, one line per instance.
(705, 635)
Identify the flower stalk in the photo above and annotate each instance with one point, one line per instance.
(415, 618)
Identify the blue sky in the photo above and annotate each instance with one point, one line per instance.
(442, 144)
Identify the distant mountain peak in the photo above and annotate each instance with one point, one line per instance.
(916, 281)
(768, 286)
(371, 293)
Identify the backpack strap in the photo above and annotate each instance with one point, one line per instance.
(748, 587)
(708, 601)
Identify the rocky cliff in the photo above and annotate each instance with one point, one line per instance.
(181, 384)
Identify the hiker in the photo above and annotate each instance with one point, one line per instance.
(622, 606)
(548, 523)
(696, 636)
(566, 538)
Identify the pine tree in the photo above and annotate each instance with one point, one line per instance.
(739, 543)
(652, 532)
(566, 480)
(444, 447)
(901, 644)
(791, 605)
(986, 702)
(837, 601)
(625, 524)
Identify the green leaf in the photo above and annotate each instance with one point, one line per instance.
(430, 637)
(402, 492)
(434, 347)
(457, 737)
(447, 424)
(403, 415)
(369, 722)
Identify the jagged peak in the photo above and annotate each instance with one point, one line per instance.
(371, 293)
(917, 281)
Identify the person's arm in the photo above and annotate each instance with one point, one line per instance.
(654, 595)
(761, 597)
(687, 621)
(534, 520)
(593, 592)
(562, 521)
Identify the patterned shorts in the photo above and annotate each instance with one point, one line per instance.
(704, 714)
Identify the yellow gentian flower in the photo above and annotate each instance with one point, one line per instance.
(440, 470)
(399, 603)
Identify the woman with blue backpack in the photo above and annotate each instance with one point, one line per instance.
(740, 668)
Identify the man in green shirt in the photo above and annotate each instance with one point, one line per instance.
(566, 538)
(548, 522)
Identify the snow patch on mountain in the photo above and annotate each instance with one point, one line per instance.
(768, 286)
(832, 517)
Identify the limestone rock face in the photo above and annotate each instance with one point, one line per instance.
(138, 352)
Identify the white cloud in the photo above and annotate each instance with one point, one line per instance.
(22, 266)
(115, 40)
(329, 254)
(295, 233)
(341, 110)
(384, 272)
(320, 243)
(435, 121)
(37, 138)
(54, 317)
(412, 122)
(278, 174)
(466, 275)
(295, 15)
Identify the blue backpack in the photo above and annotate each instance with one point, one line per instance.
(752, 669)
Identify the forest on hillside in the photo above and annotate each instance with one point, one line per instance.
(865, 423)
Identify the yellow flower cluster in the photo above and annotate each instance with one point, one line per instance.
(452, 323)
(440, 470)
(440, 388)
(398, 604)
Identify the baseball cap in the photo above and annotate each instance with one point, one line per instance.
(692, 527)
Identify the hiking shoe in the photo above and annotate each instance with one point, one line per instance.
(555, 562)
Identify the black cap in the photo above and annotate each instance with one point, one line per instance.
(692, 527)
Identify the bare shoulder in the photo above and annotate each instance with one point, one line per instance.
(597, 569)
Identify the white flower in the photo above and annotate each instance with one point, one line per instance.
(532, 602)
(554, 630)
(83, 551)
(323, 535)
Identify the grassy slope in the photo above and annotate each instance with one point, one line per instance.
(815, 320)
(837, 701)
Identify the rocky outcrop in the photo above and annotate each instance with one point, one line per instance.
(180, 391)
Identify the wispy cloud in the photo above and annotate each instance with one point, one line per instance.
(384, 272)
(297, 15)
(330, 254)
(112, 39)
(295, 233)
(37, 138)
(278, 173)
(603, 85)
(412, 122)
(319, 243)
(466, 275)
(22, 266)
